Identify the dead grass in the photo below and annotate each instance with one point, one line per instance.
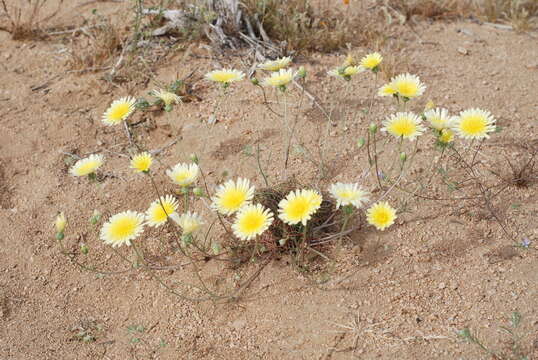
(95, 46)
(26, 20)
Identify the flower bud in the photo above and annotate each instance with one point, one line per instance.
(198, 192)
(361, 142)
(403, 157)
(194, 158)
(429, 105)
(372, 128)
(84, 249)
(255, 81)
(301, 73)
(60, 223)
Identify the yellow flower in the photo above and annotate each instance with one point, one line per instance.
(160, 210)
(387, 90)
(439, 119)
(299, 206)
(225, 76)
(348, 194)
(231, 196)
(184, 174)
(446, 136)
(279, 79)
(381, 215)
(141, 162)
(87, 166)
(346, 72)
(251, 221)
(60, 223)
(167, 97)
(122, 228)
(405, 125)
(371, 61)
(474, 124)
(408, 86)
(275, 65)
(189, 222)
(119, 110)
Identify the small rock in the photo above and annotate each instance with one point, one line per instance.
(463, 51)
(442, 286)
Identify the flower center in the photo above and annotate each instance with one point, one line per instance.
(119, 111)
(473, 125)
(252, 222)
(407, 89)
(381, 217)
(233, 199)
(298, 208)
(122, 228)
(403, 127)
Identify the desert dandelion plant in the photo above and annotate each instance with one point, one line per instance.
(184, 174)
(232, 195)
(251, 221)
(119, 110)
(372, 61)
(408, 86)
(279, 79)
(87, 165)
(348, 194)
(299, 206)
(439, 119)
(381, 215)
(160, 210)
(122, 228)
(275, 65)
(189, 222)
(474, 124)
(141, 162)
(403, 125)
(225, 76)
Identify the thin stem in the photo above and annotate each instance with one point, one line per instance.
(375, 162)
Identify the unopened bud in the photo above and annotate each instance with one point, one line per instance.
(429, 105)
(60, 223)
(372, 128)
(198, 192)
(361, 142)
(194, 158)
(301, 73)
(255, 81)
(84, 249)
(403, 157)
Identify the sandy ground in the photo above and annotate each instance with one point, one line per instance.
(434, 274)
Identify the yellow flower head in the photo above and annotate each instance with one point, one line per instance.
(275, 65)
(474, 124)
(439, 119)
(189, 222)
(371, 61)
(122, 228)
(446, 136)
(160, 210)
(225, 76)
(251, 221)
(348, 194)
(167, 97)
(279, 79)
(404, 125)
(381, 215)
(387, 90)
(299, 206)
(119, 110)
(408, 86)
(141, 162)
(232, 195)
(60, 223)
(184, 174)
(87, 166)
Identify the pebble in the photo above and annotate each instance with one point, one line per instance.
(442, 285)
